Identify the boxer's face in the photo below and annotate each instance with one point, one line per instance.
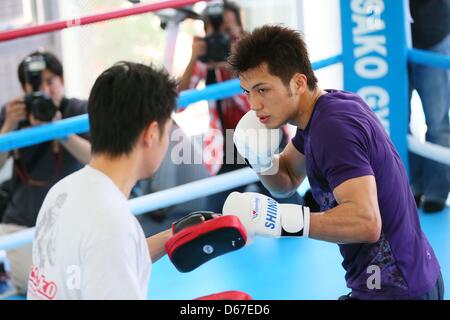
(275, 103)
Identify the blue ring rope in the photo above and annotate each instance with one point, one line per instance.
(429, 58)
(80, 124)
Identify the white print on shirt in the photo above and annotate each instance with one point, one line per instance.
(73, 274)
(46, 233)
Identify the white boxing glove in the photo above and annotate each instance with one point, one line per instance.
(257, 144)
(263, 216)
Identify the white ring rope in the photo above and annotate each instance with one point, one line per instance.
(158, 200)
(429, 150)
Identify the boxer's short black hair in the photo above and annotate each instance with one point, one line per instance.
(124, 100)
(283, 49)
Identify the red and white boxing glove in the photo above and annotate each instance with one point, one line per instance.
(263, 216)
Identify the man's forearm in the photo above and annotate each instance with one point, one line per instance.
(343, 224)
(5, 129)
(79, 147)
(3, 158)
(156, 244)
(4, 155)
(185, 80)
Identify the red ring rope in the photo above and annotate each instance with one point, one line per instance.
(59, 25)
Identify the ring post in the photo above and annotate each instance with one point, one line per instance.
(375, 41)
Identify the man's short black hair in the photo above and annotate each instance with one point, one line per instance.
(283, 49)
(123, 101)
(53, 64)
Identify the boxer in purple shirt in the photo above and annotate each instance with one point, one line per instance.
(355, 173)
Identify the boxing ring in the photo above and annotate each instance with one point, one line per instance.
(287, 268)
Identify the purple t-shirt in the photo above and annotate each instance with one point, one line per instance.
(343, 140)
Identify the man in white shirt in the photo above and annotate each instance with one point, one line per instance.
(88, 244)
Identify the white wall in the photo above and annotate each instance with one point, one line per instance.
(322, 28)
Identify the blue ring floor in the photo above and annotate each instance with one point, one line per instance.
(281, 269)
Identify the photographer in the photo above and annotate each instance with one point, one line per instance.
(38, 167)
(222, 24)
(223, 27)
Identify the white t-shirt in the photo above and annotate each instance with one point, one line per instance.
(88, 244)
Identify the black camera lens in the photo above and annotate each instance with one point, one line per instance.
(218, 43)
(38, 103)
(41, 106)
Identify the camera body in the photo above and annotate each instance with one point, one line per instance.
(38, 103)
(218, 43)
(217, 47)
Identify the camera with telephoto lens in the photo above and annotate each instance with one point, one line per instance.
(218, 43)
(38, 103)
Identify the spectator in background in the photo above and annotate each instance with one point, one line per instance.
(430, 180)
(38, 167)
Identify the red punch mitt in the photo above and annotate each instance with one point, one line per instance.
(227, 295)
(201, 236)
